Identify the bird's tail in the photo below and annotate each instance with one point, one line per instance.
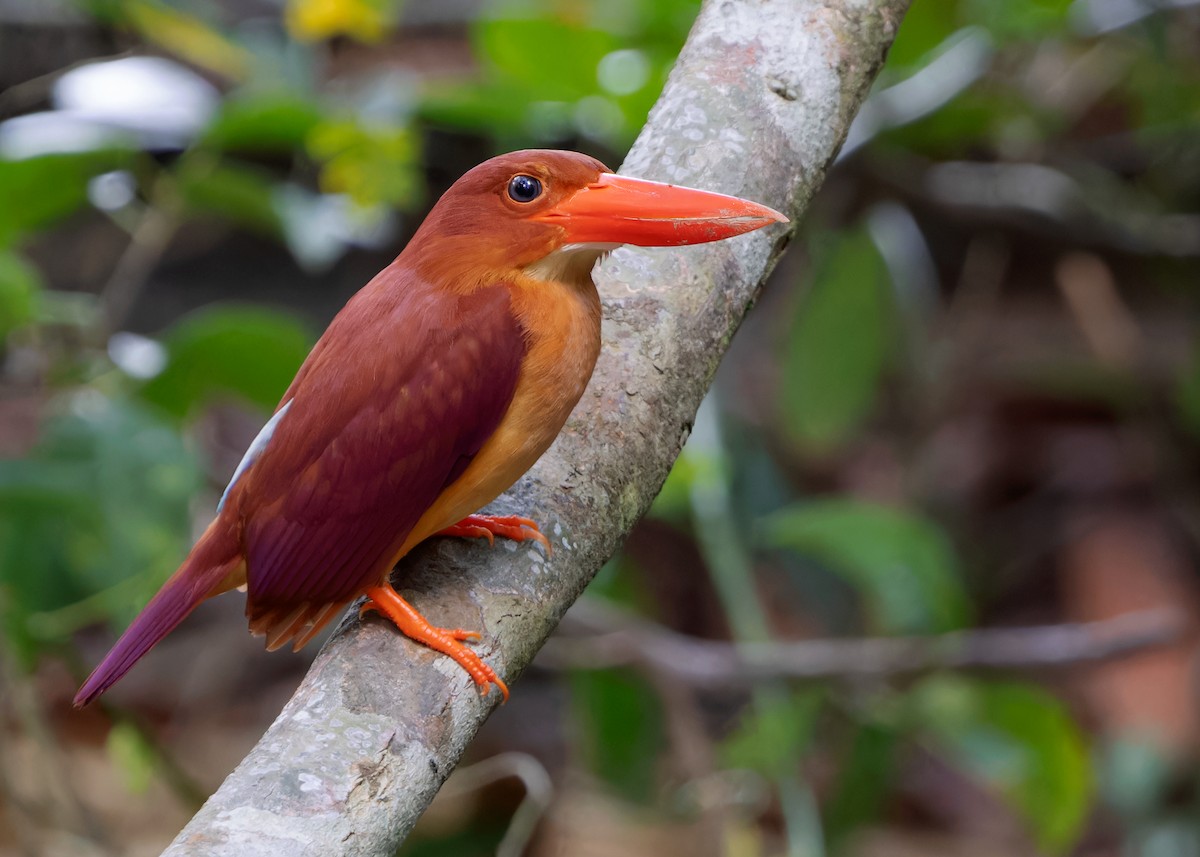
(215, 556)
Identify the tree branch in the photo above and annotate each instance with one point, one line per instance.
(757, 105)
(616, 638)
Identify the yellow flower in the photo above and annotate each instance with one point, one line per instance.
(365, 20)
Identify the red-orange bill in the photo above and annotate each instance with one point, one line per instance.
(621, 210)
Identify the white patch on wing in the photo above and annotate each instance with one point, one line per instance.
(254, 451)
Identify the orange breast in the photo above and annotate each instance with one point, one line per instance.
(562, 327)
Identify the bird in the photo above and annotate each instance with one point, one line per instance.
(429, 394)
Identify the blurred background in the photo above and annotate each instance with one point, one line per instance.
(968, 404)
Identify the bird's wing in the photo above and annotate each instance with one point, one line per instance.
(402, 391)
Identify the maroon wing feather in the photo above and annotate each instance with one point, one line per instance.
(402, 391)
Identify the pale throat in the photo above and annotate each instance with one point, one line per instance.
(570, 263)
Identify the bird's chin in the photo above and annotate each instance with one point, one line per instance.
(570, 263)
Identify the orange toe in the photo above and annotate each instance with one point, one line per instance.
(513, 527)
(448, 641)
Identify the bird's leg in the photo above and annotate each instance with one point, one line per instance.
(488, 526)
(448, 641)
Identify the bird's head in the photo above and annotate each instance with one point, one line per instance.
(553, 213)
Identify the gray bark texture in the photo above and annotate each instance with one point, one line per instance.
(757, 105)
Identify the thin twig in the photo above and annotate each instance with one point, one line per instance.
(146, 248)
(539, 793)
(151, 238)
(614, 638)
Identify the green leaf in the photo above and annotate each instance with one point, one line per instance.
(1020, 19)
(262, 122)
(1020, 740)
(20, 284)
(620, 724)
(863, 781)
(835, 354)
(596, 73)
(37, 191)
(901, 563)
(489, 105)
(926, 25)
(372, 164)
(584, 80)
(187, 36)
(247, 352)
(774, 734)
(235, 193)
(563, 68)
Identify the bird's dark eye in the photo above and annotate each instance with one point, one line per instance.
(524, 189)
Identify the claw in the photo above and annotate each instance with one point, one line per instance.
(448, 641)
(513, 527)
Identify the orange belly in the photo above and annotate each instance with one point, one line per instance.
(562, 321)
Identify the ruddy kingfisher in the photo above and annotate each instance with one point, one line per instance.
(433, 390)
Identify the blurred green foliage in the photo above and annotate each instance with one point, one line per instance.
(20, 283)
(621, 729)
(248, 352)
(135, 758)
(1018, 738)
(40, 190)
(837, 349)
(770, 738)
(99, 510)
(865, 778)
(95, 518)
(902, 564)
(595, 72)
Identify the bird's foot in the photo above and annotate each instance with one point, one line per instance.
(448, 641)
(489, 526)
